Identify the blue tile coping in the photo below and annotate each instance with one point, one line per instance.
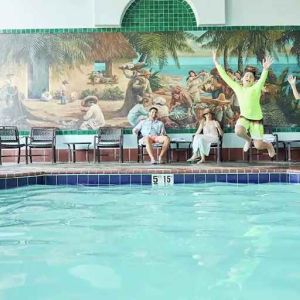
(145, 179)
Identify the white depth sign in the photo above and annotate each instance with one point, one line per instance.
(162, 179)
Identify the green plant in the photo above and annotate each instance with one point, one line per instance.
(113, 93)
(155, 81)
(90, 92)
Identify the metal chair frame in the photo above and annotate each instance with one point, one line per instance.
(10, 139)
(108, 138)
(42, 138)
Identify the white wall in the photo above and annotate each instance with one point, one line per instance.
(262, 12)
(17, 14)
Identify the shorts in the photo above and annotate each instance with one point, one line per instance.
(255, 128)
(153, 138)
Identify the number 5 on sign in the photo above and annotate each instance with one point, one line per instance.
(162, 179)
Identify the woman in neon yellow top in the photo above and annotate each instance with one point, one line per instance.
(248, 95)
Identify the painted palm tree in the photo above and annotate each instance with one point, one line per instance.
(40, 52)
(257, 42)
(218, 40)
(159, 46)
(60, 52)
(241, 43)
(291, 39)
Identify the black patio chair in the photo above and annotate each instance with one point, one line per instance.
(42, 138)
(216, 149)
(9, 139)
(108, 138)
(141, 146)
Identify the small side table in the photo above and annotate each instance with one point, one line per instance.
(178, 143)
(72, 150)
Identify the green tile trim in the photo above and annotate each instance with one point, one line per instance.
(128, 131)
(142, 29)
(286, 129)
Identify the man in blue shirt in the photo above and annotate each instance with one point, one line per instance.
(153, 131)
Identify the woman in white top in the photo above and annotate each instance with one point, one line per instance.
(202, 142)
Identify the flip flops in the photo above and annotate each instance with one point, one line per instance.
(161, 162)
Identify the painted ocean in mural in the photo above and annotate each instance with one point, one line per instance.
(89, 80)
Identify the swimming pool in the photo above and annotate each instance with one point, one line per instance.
(209, 241)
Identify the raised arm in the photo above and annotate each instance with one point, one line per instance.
(230, 82)
(292, 82)
(219, 128)
(267, 62)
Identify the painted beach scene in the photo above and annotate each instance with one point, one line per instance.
(90, 80)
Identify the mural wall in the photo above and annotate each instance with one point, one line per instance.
(85, 81)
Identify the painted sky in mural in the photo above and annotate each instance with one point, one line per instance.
(85, 81)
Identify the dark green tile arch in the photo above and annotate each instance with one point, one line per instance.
(159, 15)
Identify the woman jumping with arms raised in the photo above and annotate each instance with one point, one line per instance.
(248, 95)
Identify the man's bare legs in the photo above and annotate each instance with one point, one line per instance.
(149, 148)
(165, 141)
(241, 132)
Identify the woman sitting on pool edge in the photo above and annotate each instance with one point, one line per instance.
(202, 142)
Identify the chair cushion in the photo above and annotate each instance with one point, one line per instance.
(269, 138)
(40, 145)
(11, 146)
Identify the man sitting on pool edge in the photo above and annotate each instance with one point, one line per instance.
(153, 131)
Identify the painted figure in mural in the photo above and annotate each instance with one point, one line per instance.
(10, 91)
(202, 141)
(193, 86)
(180, 106)
(46, 95)
(163, 111)
(138, 85)
(140, 111)
(292, 82)
(145, 76)
(93, 118)
(248, 96)
(63, 92)
(153, 131)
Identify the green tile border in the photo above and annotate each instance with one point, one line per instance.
(128, 131)
(139, 29)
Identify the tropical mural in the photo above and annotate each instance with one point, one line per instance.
(88, 80)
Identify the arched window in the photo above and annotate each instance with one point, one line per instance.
(159, 15)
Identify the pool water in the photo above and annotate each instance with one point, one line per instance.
(185, 242)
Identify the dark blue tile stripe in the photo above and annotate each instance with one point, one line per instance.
(145, 179)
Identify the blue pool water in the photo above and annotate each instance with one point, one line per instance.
(185, 242)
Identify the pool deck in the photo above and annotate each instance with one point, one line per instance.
(15, 170)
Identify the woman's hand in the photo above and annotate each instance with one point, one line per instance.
(267, 62)
(292, 80)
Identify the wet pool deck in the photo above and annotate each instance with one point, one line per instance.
(15, 170)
